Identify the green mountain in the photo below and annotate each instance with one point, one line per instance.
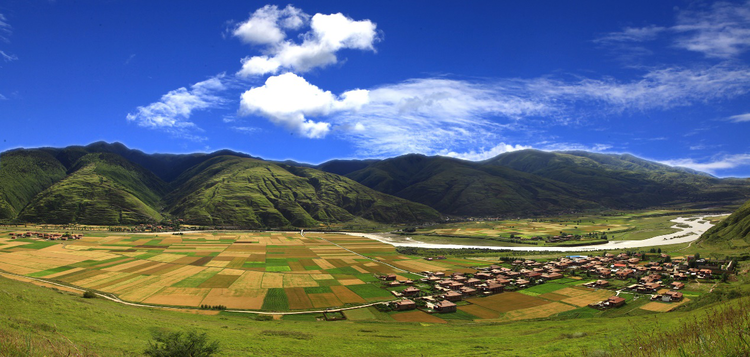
(23, 175)
(460, 187)
(101, 188)
(229, 190)
(625, 181)
(536, 182)
(110, 184)
(734, 231)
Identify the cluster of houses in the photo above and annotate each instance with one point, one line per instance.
(46, 236)
(496, 279)
(145, 228)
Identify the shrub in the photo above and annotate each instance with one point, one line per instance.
(88, 294)
(173, 344)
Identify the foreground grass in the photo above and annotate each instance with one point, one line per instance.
(47, 322)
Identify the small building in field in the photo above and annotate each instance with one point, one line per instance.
(405, 304)
(615, 301)
(410, 291)
(445, 306)
(453, 296)
(676, 285)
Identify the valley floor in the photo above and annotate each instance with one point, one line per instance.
(688, 229)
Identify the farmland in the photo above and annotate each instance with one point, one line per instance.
(267, 271)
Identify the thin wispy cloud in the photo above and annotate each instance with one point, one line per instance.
(719, 31)
(723, 31)
(327, 35)
(483, 153)
(173, 111)
(741, 118)
(714, 164)
(631, 34)
(5, 31)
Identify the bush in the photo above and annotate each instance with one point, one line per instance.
(88, 294)
(174, 344)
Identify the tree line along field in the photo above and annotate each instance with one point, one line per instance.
(616, 226)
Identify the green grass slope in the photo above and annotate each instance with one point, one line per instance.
(38, 321)
(102, 189)
(23, 174)
(465, 188)
(732, 232)
(228, 190)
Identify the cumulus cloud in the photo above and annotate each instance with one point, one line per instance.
(266, 25)
(173, 111)
(741, 118)
(722, 162)
(721, 31)
(327, 35)
(288, 100)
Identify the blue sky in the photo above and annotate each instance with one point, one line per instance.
(664, 80)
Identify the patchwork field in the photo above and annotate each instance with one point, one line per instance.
(274, 271)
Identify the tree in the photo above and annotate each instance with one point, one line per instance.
(174, 344)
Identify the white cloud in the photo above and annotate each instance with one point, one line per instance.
(327, 35)
(173, 111)
(722, 162)
(722, 32)
(484, 154)
(266, 25)
(741, 118)
(443, 116)
(288, 100)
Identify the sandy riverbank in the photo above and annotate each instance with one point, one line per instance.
(696, 227)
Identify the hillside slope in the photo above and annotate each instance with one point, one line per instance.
(23, 175)
(229, 190)
(101, 189)
(732, 231)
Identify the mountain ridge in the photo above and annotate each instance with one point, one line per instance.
(230, 188)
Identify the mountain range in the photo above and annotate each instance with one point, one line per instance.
(105, 183)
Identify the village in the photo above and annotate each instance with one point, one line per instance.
(47, 236)
(659, 279)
